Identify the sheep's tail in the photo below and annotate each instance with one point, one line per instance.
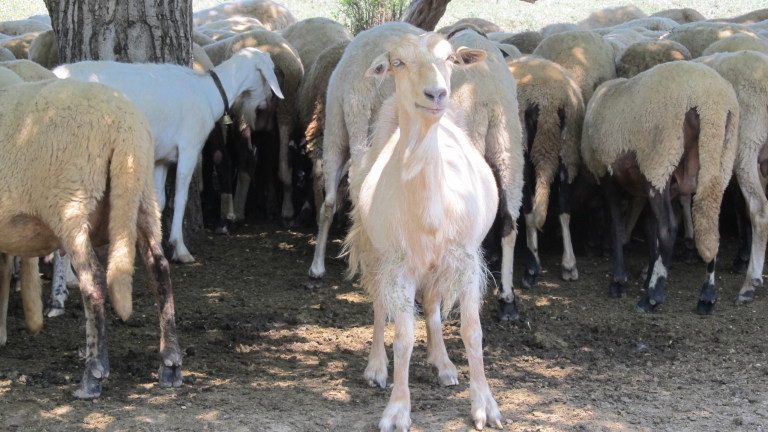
(32, 294)
(717, 138)
(128, 173)
(545, 153)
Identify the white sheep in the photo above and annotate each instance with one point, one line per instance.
(551, 111)
(20, 27)
(236, 24)
(643, 55)
(586, 55)
(698, 36)
(658, 150)
(6, 54)
(201, 39)
(738, 42)
(650, 23)
(526, 42)
(28, 70)
(427, 198)
(53, 197)
(182, 106)
(43, 18)
(483, 25)
(748, 18)
(19, 45)
(217, 34)
(681, 16)
(44, 50)
(272, 15)
(311, 36)
(611, 16)
(557, 28)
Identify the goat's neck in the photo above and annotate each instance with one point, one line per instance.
(235, 78)
(418, 142)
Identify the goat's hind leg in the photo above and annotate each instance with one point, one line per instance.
(376, 371)
(159, 280)
(436, 352)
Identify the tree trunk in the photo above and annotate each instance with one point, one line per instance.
(129, 31)
(425, 14)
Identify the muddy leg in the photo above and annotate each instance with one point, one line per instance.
(436, 352)
(690, 255)
(59, 291)
(666, 230)
(6, 270)
(159, 280)
(618, 285)
(484, 407)
(568, 264)
(397, 414)
(376, 371)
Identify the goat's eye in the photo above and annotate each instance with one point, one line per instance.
(451, 58)
(397, 63)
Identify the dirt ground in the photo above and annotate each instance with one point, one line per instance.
(265, 354)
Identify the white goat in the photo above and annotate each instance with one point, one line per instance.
(182, 106)
(426, 200)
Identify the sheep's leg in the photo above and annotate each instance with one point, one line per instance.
(31, 294)
(397, 414)
(376, 371)
(618, 284)
(6, 271)
(708, 296)
(159, 281)
(436, 352)
(59, 292)
(690, 255)
(742, 260)
(532, 262)
(286, 173)
(507, 303)
(757, 205)
(246, 156)
(484, 407)
(666, 230)
(184, 171)
(568, 264)
(93, 287)
(636, 205)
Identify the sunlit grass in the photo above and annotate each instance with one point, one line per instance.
(511, 15)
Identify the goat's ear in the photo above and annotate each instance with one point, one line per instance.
(467, 57)
(267, 70)
(379, 67)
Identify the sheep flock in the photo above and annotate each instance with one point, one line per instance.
(439, 146)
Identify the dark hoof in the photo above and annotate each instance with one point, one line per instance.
(617, 289)
(508, 310)
(306, 219)
(746, 297)
(740, 265)
(705, 307)
(224, 227)
(169, 376)
(90, 385)
(314, 282)
(645, 306)
(690, 256)
(530, 280)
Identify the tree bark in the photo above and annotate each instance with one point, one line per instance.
(425, 14)
(130, 31)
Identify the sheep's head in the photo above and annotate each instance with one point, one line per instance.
(422, 66)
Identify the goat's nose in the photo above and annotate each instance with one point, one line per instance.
(436, 94)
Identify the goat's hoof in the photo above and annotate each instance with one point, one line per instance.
(376, 374)
(314, 282)
(746, 296)
(447, 375)
(396, 417)
(617, 289)
(508, 310)
(571, 274)
(485, 411)
(645, 306)
(169, 376)
(54, 311)
(740, 265)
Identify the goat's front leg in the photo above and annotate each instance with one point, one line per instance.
(159, 280)
(93, 286)
(484, 407)
(397, 415)
(376, 371)
(568, 264)
(184, 171)
(6, 271)
(436, 352)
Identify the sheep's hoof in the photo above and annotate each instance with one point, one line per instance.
(54, 311)
(740, 265)
(508, 310)
(690, 255)
(305, 219)
(184, 258)
(169, 376)
(314, 282)
(645, 306)
(705, 307)
(224, 227)
(745, 297)
(90, 385)
(571, 274)
(530, 280)
(617, 289)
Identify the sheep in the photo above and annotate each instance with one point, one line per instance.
(311, 36)
(201, 39)
(8, 78)
(53, 197)
(526, 42)
(181, 119)
(685, 145)
(351, 107)
(747, 18)
(21, 27)
(551, 111)
(558, 28)
(650, 23)
(286, 59)
(217, 35)
(44, 50)
(200, 60)
(6, 54)
(626, 37)
(272, 15)
(681, 16)
(584, 54)
(426, 202)
(236, 24)
(43, 18)
(28, 70)
(643, 55)
(19, 45)
(747, 71)
(498, 36)
(759, 26)
(738, 42)
(699, 35)
(485, 26)
(508, 51)
(611, 16)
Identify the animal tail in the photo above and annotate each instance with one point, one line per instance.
(717, 147)
(129, 171)
(32, 294)
(544, 155)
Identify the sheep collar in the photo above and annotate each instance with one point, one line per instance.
(226, 120)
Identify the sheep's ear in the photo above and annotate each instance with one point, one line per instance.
(467, 57)
(379, 67)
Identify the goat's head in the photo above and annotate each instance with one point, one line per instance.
(422, 66)
(257, 103)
